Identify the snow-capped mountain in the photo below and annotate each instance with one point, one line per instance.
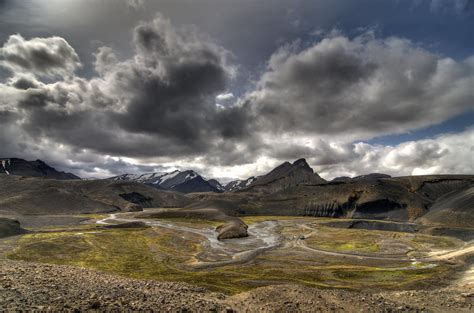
(239, 184)
(147, 178)
(182, 181)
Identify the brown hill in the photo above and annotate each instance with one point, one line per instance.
(20, 195)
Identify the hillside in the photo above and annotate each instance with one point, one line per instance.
(19, 195)
(38, 168)
(454, 209)
(389, 198)
(441, 197)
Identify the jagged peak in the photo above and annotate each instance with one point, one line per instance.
(302, 163)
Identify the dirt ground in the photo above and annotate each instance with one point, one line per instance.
(29, 286)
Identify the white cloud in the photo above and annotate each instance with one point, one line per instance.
(225, 96)
(51, 56)
(444, 154)
(356, 89)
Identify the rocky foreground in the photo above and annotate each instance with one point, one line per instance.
(29, 286)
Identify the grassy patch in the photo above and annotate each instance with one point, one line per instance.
(354, 240)
(93, 216)
(422, 241)
(162, 254)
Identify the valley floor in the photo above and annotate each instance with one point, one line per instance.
(287, 264)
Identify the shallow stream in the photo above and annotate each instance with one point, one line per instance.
(262, 236)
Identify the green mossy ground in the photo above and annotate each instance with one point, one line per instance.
(345, 240)
(162, 254)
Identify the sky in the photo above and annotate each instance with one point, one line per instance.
(233, 88)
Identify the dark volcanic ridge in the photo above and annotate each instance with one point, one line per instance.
(38, 168)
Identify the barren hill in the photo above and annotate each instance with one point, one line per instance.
(33, 195)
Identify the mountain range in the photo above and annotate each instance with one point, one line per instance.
(188, 181)
(284, 175)
(292, 189)
(181, 181)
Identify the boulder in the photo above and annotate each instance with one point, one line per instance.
(10, 227)
(232, 229)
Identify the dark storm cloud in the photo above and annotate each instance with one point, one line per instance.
(314, 99)
(161, 102)
(174, 83)
(41, 56)
(360, 87)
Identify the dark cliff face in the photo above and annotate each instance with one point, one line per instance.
(303, 164)
(437, 199)
(38, 168)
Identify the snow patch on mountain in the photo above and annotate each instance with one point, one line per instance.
(4, 165)
(175, 181)
(165, 177)
(239, 184)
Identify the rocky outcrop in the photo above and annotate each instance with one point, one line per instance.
(137, 199)
(232, 229)
(10, 227)
(323, 209)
